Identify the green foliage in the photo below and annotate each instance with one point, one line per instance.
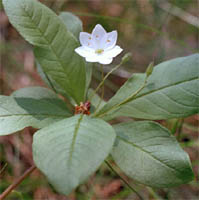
(72, 22)
(50, 82)
(54, 45)
(36, 107)
(67, 152)
(73, 25)
(113, 106)
(171, 92)
(89, 70)
(95, 100)
(1, 6)
(68, 149)
(147, 152)
(149, 69)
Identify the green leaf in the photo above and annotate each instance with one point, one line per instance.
(147, 152)
(111, 109)
(34, 93)
(72, 22)
(36, 107)
(172, 91)
(89, 70)
(1, 6)
(50, 82)
(95, 100)
(54, 44)
(74, 25)
(69, 151)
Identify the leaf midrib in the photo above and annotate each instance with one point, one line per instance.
(147, 93)
(48, 42)
(72, 147)
(31, 114)
(164, 87)
(148, 153)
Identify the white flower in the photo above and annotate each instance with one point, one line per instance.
(99, 46)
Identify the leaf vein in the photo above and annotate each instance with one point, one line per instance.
(33, 114)
(72, 147)
(147, 152)
(176, 102)
(188, 92)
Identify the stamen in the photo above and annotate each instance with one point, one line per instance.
(108, 40)
(99, 51)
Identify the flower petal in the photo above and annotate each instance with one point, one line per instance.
(110, 40)
(85, 39)
(113, 52)
(84, 52)
(104, 60)
(92, 59)
(97, 35)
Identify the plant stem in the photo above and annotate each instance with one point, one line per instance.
(103, 80)
(17, 182)
(124, 101)
(109, 165)
(153, 193)
(102, 94)
(174, 128)
(180, 129)
(134, 94)
(3, 168)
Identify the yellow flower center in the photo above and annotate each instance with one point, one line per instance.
(99, 51)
